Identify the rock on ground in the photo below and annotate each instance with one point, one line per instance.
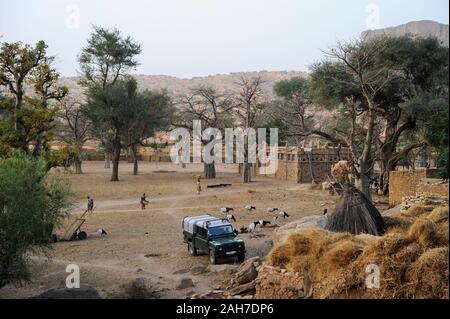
(225, 269)
(276, 283)
(246, 271)
(307, 222)
(185, 283)
(84, 292)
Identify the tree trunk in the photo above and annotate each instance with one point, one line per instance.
(37, 147)
(77, 165)
(313, 181)
(210, 170)
(247, 172)
(107, 160)
(383, 181)
(365, 187)
(364, 169)
(130, 155)
(134, 157)
(115, 161)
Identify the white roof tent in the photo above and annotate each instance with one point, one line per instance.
(203, 221)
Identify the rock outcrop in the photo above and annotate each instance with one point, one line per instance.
(423, 28)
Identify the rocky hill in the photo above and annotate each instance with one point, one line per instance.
(424, 28)
(177, 86)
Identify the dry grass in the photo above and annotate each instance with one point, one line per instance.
(412, 257)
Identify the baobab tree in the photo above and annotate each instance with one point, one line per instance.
(212, 109)
(250, 102)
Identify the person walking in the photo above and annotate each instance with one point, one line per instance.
(199, 185)
(90, 204)
(144, 201)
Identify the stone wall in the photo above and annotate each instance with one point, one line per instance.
(411, 183)
(294, 164)
(432, 188)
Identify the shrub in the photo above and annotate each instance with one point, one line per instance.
(32, 204)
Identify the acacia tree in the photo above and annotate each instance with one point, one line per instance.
(151, 112)
(105, 60)
(346, 84)
(212, 109)
(421, 68)
(28, 119)
(250, 102)
(73, 129)
(376, 91)
(112, 107)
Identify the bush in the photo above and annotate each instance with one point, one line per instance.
(32, 204)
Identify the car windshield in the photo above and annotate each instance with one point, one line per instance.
(220, 230)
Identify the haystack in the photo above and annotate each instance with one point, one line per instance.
(356, 214)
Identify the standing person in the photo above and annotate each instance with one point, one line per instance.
(144, 201)
(90, 204)
(199, 186)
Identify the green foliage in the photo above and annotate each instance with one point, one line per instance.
(34, 122)
(107, 56)
(292, 87)
(32, 204)
(436, 132)
(331, 85)
(282, 131)
(105, 62)
(27, 120)
(149, 112)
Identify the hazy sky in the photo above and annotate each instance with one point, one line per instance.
(188, 38)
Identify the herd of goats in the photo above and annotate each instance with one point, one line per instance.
(273, 211)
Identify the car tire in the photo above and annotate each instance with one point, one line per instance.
(212, 257)
(192, 249)
(241, 257)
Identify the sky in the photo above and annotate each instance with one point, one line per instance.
(187, 38)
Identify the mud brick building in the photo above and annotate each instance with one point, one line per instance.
(302, 165)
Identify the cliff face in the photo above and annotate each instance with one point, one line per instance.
(423, 28)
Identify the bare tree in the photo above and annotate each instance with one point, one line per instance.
(249, 107)
(73, 129)
(212, 108)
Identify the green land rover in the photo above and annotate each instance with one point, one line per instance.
(213, 236)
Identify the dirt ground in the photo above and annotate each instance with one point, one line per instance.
(149, 243)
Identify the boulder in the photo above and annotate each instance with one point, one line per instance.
(244, 288)
(222, 269)
(185, 283)
(246, 271)
(307, 222)
(140, 288)
(392, 211)
(84, 292)
(277, 283)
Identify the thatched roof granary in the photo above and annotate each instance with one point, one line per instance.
(356, 214)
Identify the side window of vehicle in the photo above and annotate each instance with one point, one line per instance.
(202, 232)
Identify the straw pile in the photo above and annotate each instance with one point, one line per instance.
(412, 257)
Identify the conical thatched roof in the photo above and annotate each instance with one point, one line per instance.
(355, 214)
